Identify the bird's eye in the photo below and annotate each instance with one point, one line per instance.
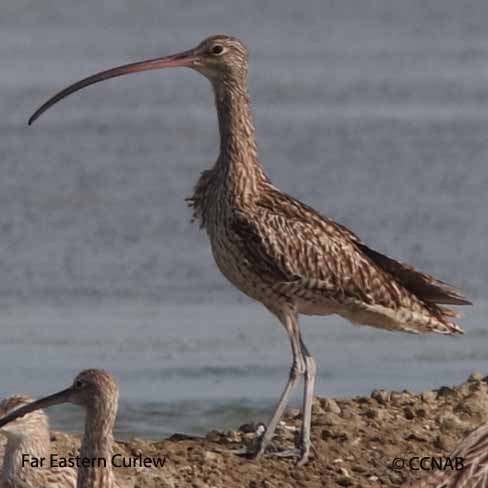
(218, 49)
(78, 384)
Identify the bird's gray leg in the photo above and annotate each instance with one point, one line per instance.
(308, 391)
(297, 370)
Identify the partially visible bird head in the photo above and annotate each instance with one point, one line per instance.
(219, 58)
(91, 388)
(31, 425)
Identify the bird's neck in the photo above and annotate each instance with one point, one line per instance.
(32, 447)
(97, 445)
(238, 160)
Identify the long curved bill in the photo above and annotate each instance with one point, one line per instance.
(56, 399)
(186, 58)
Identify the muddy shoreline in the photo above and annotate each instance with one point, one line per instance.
(356, 443)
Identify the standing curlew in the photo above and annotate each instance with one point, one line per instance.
(97, 392)
(29, 436)
(278, 250)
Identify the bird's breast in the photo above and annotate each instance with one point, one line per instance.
(230, 255)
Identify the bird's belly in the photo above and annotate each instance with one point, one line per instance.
(230, 258)
(316, 307)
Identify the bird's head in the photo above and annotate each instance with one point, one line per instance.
(90, 389)
(32, 425)
(219, 58)
(92, 386)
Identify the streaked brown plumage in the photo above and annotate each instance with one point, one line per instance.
(278, 250)
(474, 454)
(29, 436)
(97, 392)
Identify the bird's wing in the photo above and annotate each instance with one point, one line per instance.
(295, 246)
(422, 285)
(427, 287)
(301, 248)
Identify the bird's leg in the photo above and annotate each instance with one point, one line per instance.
(308, 390)
(297, 370)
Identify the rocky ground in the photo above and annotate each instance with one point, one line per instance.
(356, 441)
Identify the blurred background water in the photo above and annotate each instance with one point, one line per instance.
(374, 112)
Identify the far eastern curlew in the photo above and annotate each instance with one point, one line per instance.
(29, 436)
(278, 250)
(97, 392)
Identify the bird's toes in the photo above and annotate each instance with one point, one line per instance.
(304, 457)
(242, 451)
(293, 453)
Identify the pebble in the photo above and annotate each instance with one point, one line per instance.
(428, 396)
(344, 478)
(344, 481)
(251, 437)
(397, 398)
(330, 434)
(233, 436)
(474, 406)
(330, 405)
(213, 436)
(329, 418)
(247, 428)
(416, 436)
(396, 478)
(450, 422)
(441, 442)
(294, 413)
(476, 376)
(199, 484)
(164, 482)
(350, 415)
(211, 456)
(381, 396)
(316, 406)
(362, 400)
(446, 391)
(421, 412)
(373, 413)
(408, 412)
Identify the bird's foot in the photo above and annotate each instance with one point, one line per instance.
(304, 456)
(301, 453)
(259, 448)
(284, 454)
(252, 453)
(251, 445)
(243, 451)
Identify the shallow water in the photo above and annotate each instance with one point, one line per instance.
(374, 112)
